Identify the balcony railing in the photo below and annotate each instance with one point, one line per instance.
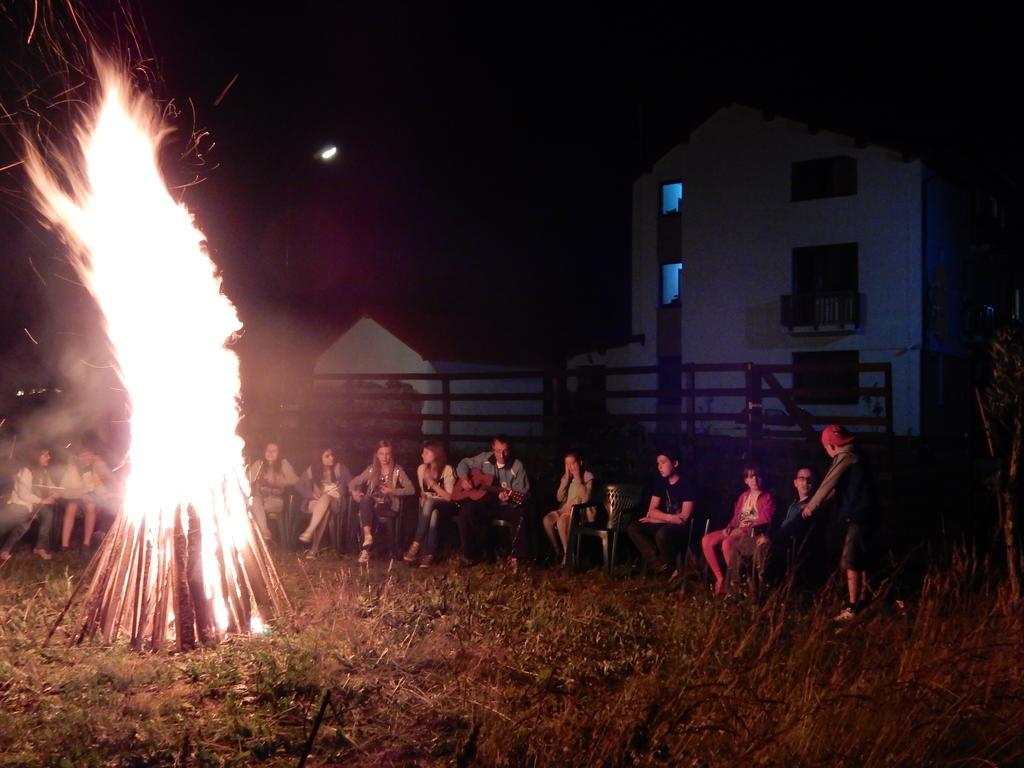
(821, 311)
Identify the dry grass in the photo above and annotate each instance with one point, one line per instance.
(485, 667)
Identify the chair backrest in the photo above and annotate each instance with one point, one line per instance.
(618, 498)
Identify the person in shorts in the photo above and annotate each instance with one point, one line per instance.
(849, 480)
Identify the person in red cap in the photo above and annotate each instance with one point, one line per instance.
(849, 481)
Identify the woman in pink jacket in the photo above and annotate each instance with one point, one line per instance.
(752, 515)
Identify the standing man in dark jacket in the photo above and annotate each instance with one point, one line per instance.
(849, 480)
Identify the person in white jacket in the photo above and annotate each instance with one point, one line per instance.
(33, 497)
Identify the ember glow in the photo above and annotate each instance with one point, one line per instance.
(143, 259)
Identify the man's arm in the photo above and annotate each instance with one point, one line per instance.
(470, 463)
(828, 484)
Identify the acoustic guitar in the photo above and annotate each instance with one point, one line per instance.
(482, 485)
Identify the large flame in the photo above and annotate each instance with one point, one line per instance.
(142, 257)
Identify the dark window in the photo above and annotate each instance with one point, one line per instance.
(836, 386)
(827, 177)
(671, 197)
(825, 269)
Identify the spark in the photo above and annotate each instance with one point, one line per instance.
(33, 265)
(35, 15)
(224, 93)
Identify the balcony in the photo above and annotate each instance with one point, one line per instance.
(832, 313)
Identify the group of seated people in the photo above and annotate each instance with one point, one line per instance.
(481, 490)
(83, 484)
(494, 486)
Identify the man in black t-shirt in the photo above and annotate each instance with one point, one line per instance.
(661, 533)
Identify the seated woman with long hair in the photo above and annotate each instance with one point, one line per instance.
(576, 486)
(269, 479)
(752, 515)
(436, 480)
(380, 485)
(323, 485)
(33, 496)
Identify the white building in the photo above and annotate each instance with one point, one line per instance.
(370, 349)
(761, 240)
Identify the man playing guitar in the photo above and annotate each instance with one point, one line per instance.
(505, 488)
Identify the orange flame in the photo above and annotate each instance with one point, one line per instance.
(143, 259)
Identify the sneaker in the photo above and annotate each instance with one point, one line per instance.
(43, 554)
(413, 553)
(848, 613)
(311, 554)
(364, 555)
(427, 561)
(305, 537)
(368, 541)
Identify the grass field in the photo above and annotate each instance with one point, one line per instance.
(487, 667)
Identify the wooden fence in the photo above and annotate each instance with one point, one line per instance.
(743, 400)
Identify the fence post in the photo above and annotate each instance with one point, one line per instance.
(755, 409)
(446, 409)
(691, 403)
(889, 421)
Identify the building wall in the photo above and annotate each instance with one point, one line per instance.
(368, 347)
(739, 228)
(946, 381)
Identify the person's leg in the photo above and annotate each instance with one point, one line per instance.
(763, 557)
(736, 549)
(321, 528)
(469, 512)
(273, 509)
(854, 586)
(15, 520)
(317, 512)
(710, 545)
(423, 524)
(729, 550)
(670, 539)
(642, 535)
(14, 523)
(259, 514)
(366, 520)
(45, 533)
(68, 525)
(854, 562)
(550, 522)
(89, 522)
(564, 519)
(439, 508)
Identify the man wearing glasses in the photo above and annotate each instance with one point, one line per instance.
(772, 547)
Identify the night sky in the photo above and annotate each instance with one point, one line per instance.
(486, 160)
